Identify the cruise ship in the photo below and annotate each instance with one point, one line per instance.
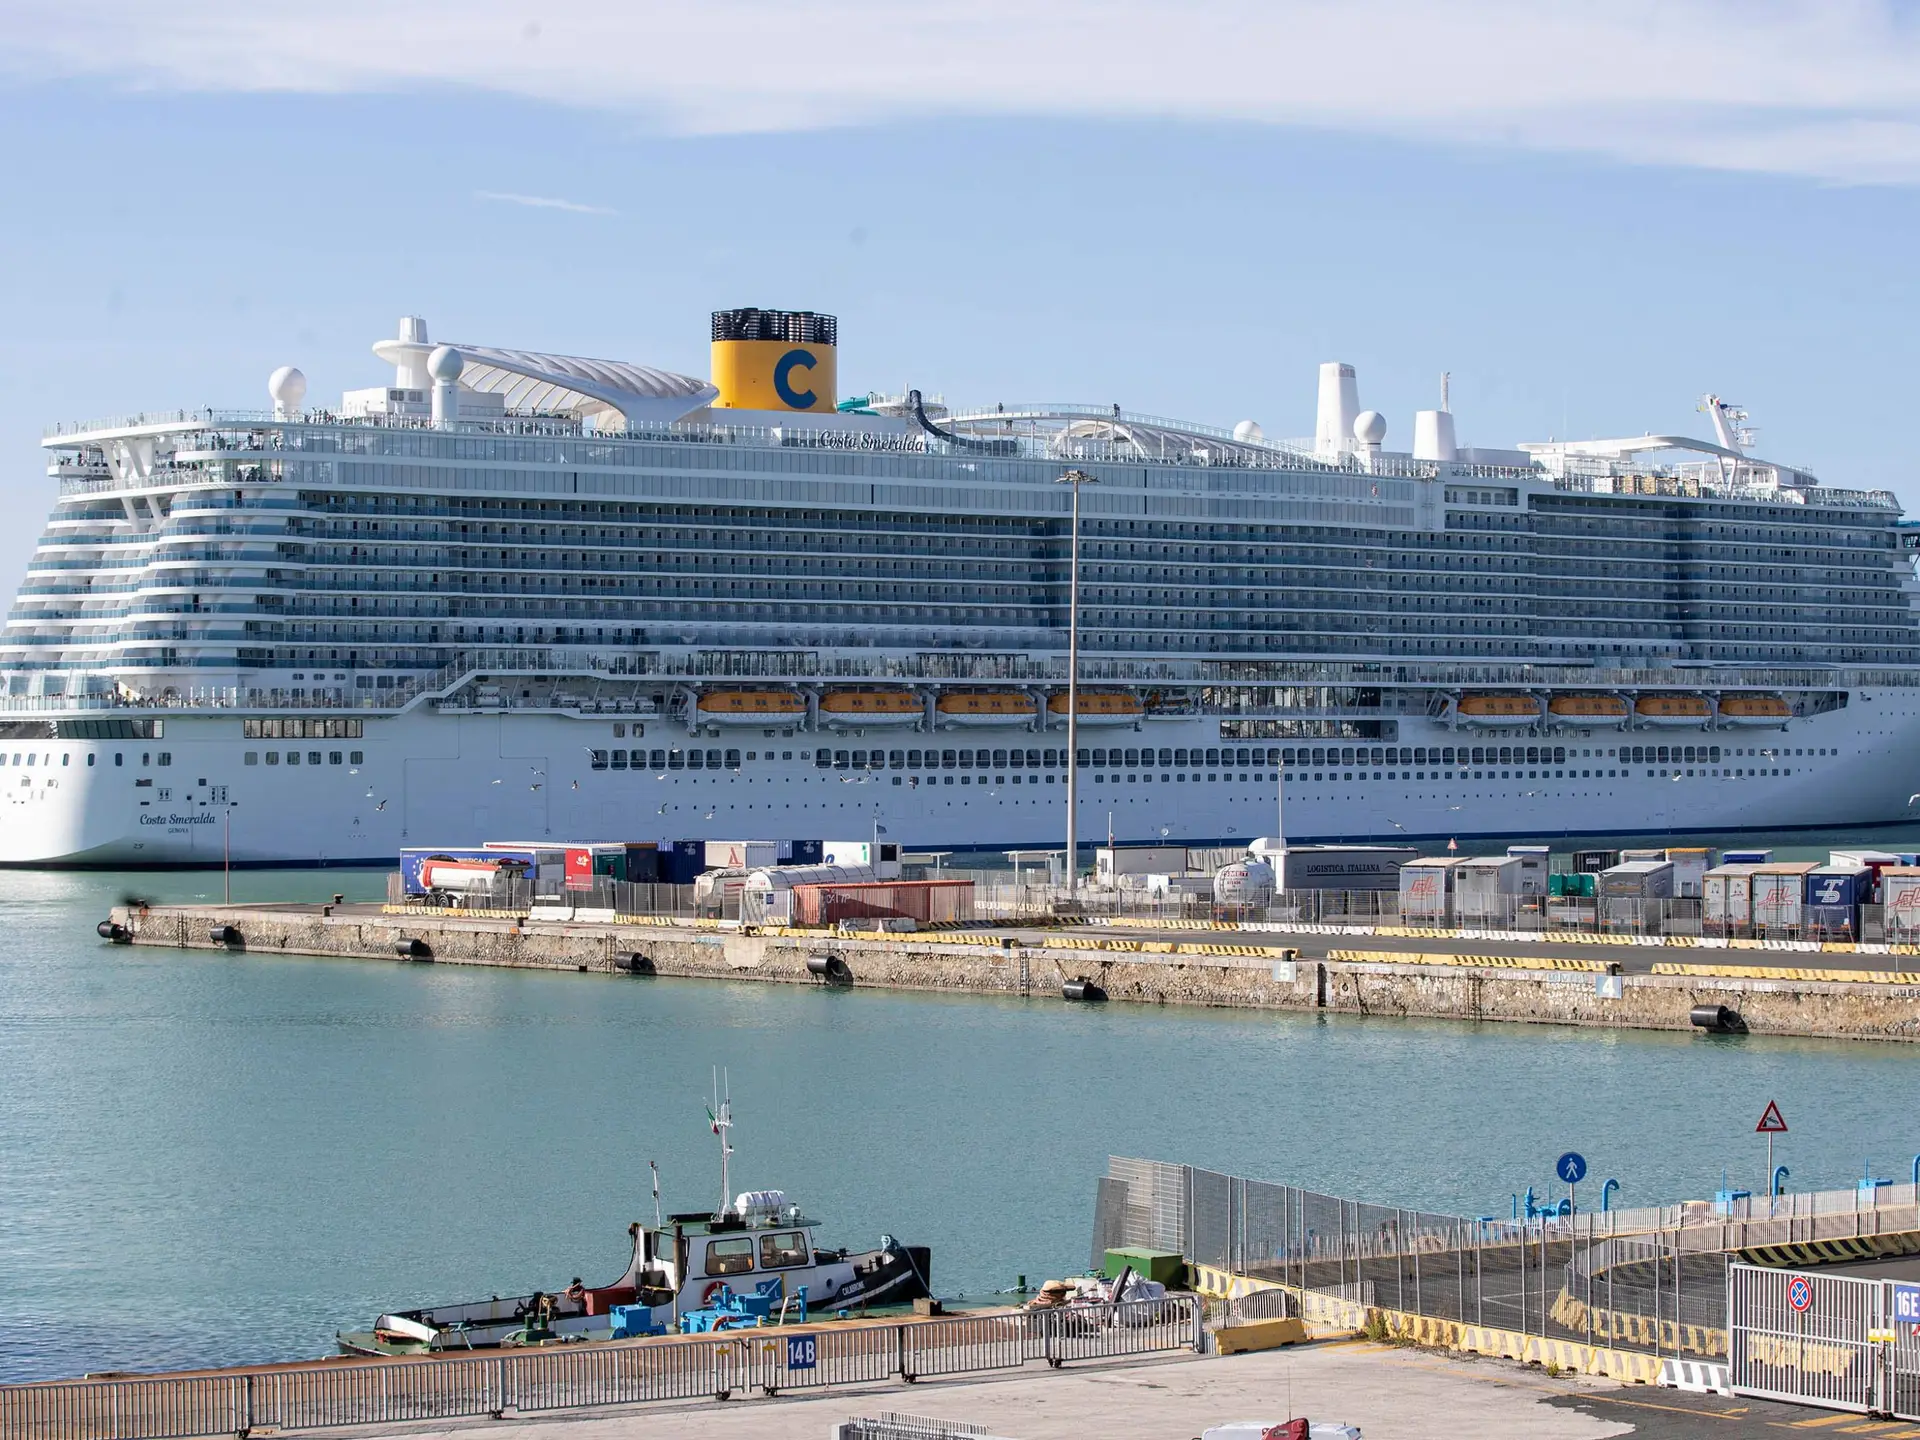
(509, 593)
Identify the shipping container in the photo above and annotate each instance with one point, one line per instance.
(1627, 856)
(1627, 891)
(1689, 866)
(1534, 865)
(1900, 895)
(1334, 867)
(1426, 890)
(1779, 897)
(741, 854)
(1592, 862)
(1572, 887)
(1111, 862)
(925, 902)
(1834, 895)
(1486, 889)
(884, 859)
(1726, 898)
(1746, 857)
(634, 861)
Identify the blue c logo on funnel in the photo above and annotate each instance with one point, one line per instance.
(783, 384)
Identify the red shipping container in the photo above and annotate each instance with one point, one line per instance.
(927, 902)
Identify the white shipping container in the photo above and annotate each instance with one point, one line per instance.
(1426, 890)
(1779, 892)
(741, 854)
(1689, 867)
(1534, 867)
(1112, 861)
(1900, 893)
(1726, 897)
(1485, 888)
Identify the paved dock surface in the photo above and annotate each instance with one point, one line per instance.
(1391, 1394)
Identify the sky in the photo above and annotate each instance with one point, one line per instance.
(1590, 215)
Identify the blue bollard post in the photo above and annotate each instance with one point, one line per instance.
(1780, 1172)
(1606, 1195)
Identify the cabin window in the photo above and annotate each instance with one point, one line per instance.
(730, 1257)
(789, 1247)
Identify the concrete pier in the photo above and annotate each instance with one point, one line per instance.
(1553, 983)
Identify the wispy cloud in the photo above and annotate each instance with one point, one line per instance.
(1828, 89)
(542, 202)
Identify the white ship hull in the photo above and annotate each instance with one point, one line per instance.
(433, 778)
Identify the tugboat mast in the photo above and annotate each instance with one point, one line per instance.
(721, 1116)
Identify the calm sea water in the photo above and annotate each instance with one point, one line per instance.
(208, 1158)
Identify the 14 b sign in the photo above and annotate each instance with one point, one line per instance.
(802, 1353)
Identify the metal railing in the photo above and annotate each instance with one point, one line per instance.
(1652, 1279)
(323, 1396)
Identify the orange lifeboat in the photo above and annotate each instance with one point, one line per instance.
(1589, 709)
(859, 709)
(1097, 707)
(750, 707)
(1754, 710)
(985, 707)
(1673, 708)
(1498, 710)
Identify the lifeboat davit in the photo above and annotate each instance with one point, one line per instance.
(1498, 710)
(985, 707)
(1097, 707)
(1678, 710)
(860, 709)
(1768, 710)
(750, 707)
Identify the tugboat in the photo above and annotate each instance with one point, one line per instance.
(688, 1272)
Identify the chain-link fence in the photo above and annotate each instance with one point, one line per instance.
(1645, 1279)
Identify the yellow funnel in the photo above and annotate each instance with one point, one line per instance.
(775, 360)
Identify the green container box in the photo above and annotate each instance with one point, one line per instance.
(1169, 1267)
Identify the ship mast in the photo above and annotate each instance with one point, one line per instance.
(721, 1116)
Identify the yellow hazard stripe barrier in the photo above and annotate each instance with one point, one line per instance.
(1788, 972)
(1848, 1247)
(1329, 1312)
(1501, 962)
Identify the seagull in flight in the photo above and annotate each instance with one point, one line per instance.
(381, 806)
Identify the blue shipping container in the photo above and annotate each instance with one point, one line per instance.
(1834, 896)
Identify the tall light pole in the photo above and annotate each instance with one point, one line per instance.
(1075, 479)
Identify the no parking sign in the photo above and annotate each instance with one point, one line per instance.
(1800, 1294)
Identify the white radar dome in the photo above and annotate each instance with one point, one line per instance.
(287, 387)
(445, 364)
(1248, 432)
(1370, 427)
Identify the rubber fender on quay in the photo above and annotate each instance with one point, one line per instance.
(112, 930)
(413, 949)
(225, 935)
(1082, 989)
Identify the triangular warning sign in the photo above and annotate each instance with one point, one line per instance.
(1773, 1122)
